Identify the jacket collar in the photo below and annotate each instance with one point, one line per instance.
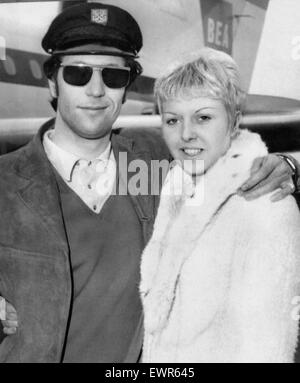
(40, 192)
(32, 162)
(64, 161)
(143, 202)
(39, 189)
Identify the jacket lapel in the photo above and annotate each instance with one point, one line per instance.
(38, 188)
(126, 152)
(39, 191)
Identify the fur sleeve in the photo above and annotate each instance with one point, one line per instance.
(269, 251)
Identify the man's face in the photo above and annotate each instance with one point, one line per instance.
(89, 110)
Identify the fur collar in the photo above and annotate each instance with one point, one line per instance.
(174, 238)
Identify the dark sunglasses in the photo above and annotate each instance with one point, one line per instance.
(80, 74)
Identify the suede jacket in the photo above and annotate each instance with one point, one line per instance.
(35, 272)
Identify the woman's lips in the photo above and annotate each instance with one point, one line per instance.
(192, 152)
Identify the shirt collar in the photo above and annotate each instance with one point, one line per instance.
(64, 161)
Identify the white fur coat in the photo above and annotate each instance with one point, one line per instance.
(220, 276)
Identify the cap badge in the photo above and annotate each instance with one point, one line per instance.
(99, 16)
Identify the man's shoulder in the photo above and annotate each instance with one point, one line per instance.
(146, 139)
(8, 164)
(7, 160)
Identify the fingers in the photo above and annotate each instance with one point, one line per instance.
(2, 308)
(257, 163)
(10, 327)
(259, 174)
(10, 310)
(281, 185)
(262, 189)
(272, 172)
(10, 324)
(9, 330)
(285, 190)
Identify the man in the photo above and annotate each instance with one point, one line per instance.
(70, 247)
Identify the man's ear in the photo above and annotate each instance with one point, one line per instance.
(53, 88)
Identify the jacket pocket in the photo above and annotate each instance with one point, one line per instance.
(37, 286)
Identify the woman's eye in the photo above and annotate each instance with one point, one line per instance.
(204, 118)
(171, 121)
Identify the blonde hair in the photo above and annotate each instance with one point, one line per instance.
(206, 72)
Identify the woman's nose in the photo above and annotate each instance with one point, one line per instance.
(95, 86)
(188, 132)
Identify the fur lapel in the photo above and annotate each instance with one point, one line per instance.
(183, 217)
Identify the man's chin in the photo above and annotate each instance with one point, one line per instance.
(93, 134)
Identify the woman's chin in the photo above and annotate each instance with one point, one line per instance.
(195, 167)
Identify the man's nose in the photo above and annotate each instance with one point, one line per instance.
(95, 86)
(188, 131)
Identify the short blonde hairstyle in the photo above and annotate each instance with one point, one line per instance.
(206, 72)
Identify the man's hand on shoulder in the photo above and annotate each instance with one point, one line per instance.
(268, 174)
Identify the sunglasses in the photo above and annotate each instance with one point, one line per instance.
(80, 74)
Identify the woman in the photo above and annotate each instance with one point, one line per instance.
(220, 274)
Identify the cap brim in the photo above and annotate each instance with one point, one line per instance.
(94, 49)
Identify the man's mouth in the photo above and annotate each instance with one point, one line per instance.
(93, 107)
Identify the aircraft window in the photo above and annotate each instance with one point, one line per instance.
(10, 66)
(36, 69)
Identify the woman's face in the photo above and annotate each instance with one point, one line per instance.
(196, 129)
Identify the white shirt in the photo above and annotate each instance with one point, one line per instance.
(92, 180)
